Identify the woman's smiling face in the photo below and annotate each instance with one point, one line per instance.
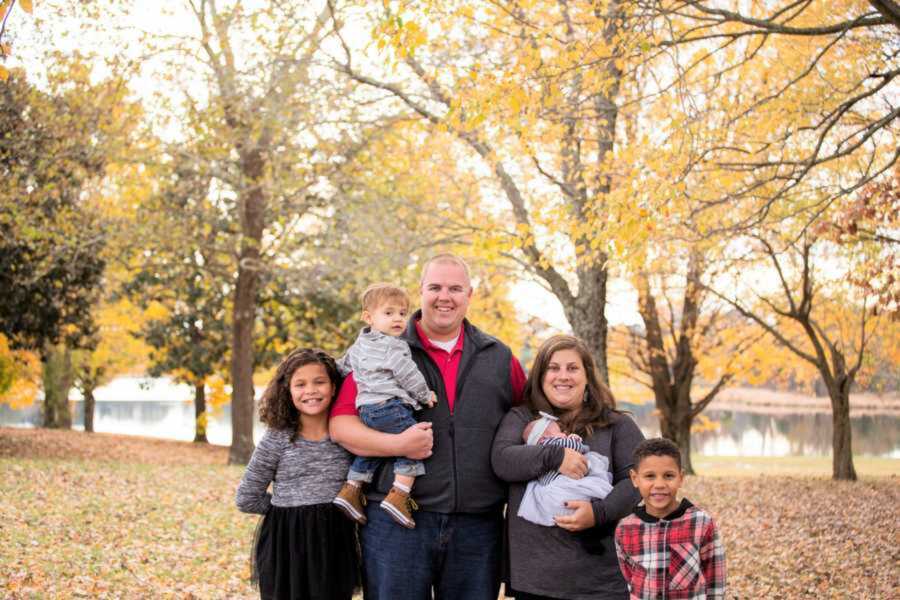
(565, 380)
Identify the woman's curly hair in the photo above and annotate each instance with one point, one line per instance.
(276, 409)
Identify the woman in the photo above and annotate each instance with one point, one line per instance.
(576, 559)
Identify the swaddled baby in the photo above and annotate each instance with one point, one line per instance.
(545, 497)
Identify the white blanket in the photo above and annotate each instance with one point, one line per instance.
(542, 502)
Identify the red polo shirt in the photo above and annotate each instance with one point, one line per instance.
(447, 363)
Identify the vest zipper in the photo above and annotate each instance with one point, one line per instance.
(460, 381)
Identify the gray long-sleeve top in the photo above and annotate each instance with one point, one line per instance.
(301, 472)
(551, 561)
(383, 368)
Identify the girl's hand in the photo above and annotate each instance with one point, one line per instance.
(574, 464)
(582, 518)
(415, 442)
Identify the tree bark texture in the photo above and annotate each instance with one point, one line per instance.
(841, 436)
(252, 206)
(586, 314)
(677, 427)
(200, 417)
(89, 403)
(57, 379)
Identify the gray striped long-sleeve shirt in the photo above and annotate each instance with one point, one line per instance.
(383, 368)
(301, 472)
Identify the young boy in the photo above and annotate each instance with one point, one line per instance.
(668, 549)
(391, 387)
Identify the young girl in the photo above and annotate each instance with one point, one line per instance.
(304, 547)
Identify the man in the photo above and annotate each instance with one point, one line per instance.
(455, 548)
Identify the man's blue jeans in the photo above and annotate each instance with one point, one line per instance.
(458, 555)
(391, 416)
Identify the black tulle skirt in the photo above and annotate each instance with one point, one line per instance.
(306, 553)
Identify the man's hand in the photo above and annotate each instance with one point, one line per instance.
(574, 464)
(416, 441)
(432, 399)
(582, 518)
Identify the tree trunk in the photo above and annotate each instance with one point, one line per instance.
(842, 453)
(671, 384)
(587, 316)
(200, 418)
(89, 402)
(677, 427)
(57, 378)
(252, 207)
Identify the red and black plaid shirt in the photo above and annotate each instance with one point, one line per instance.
(675, 558)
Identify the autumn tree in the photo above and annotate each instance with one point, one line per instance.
(53, 145)
(532, 96)
(115, 349)
(20, 374)
(687, 334)
(870, 220)
(6, 10)
(810, 116)
(811, 311)
(252, 116)
(178, 269)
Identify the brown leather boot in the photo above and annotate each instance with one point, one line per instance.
(351, 501)
(399, 505)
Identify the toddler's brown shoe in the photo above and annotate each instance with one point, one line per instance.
(399, 505)
(351, 500)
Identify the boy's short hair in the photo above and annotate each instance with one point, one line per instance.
(379, 293)
(656, 447)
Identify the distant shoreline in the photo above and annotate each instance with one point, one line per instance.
(774, 402)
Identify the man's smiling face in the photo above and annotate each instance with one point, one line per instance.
(445, 299)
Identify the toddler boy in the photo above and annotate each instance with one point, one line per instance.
(390, 388)
(668, 549)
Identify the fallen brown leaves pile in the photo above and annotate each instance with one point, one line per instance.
(106, 516)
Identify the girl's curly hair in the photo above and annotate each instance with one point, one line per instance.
(276, 409)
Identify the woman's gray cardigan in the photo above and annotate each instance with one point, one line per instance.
(551, 561)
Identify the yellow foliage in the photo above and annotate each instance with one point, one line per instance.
(217, 396)
(21, 370)
(119, 350)
(156, 311)
(201, 422)
(703, 423)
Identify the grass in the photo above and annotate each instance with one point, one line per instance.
(814, 466)
(105, 516)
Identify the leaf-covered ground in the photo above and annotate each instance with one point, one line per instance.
(106, 516)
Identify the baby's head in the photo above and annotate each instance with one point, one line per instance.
(657, 475)
(385, 308)
(552, 430)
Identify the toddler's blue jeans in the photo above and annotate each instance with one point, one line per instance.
(391, 416)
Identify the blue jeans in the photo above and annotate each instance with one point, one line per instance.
(458, 555)
(391, 416)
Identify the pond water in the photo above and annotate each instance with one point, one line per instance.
(738, 434)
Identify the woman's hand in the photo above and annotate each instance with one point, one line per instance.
(574, 464)
(416, 441)
(582, 518)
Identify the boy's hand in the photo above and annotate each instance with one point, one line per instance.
(432, 399)
(582, 518)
